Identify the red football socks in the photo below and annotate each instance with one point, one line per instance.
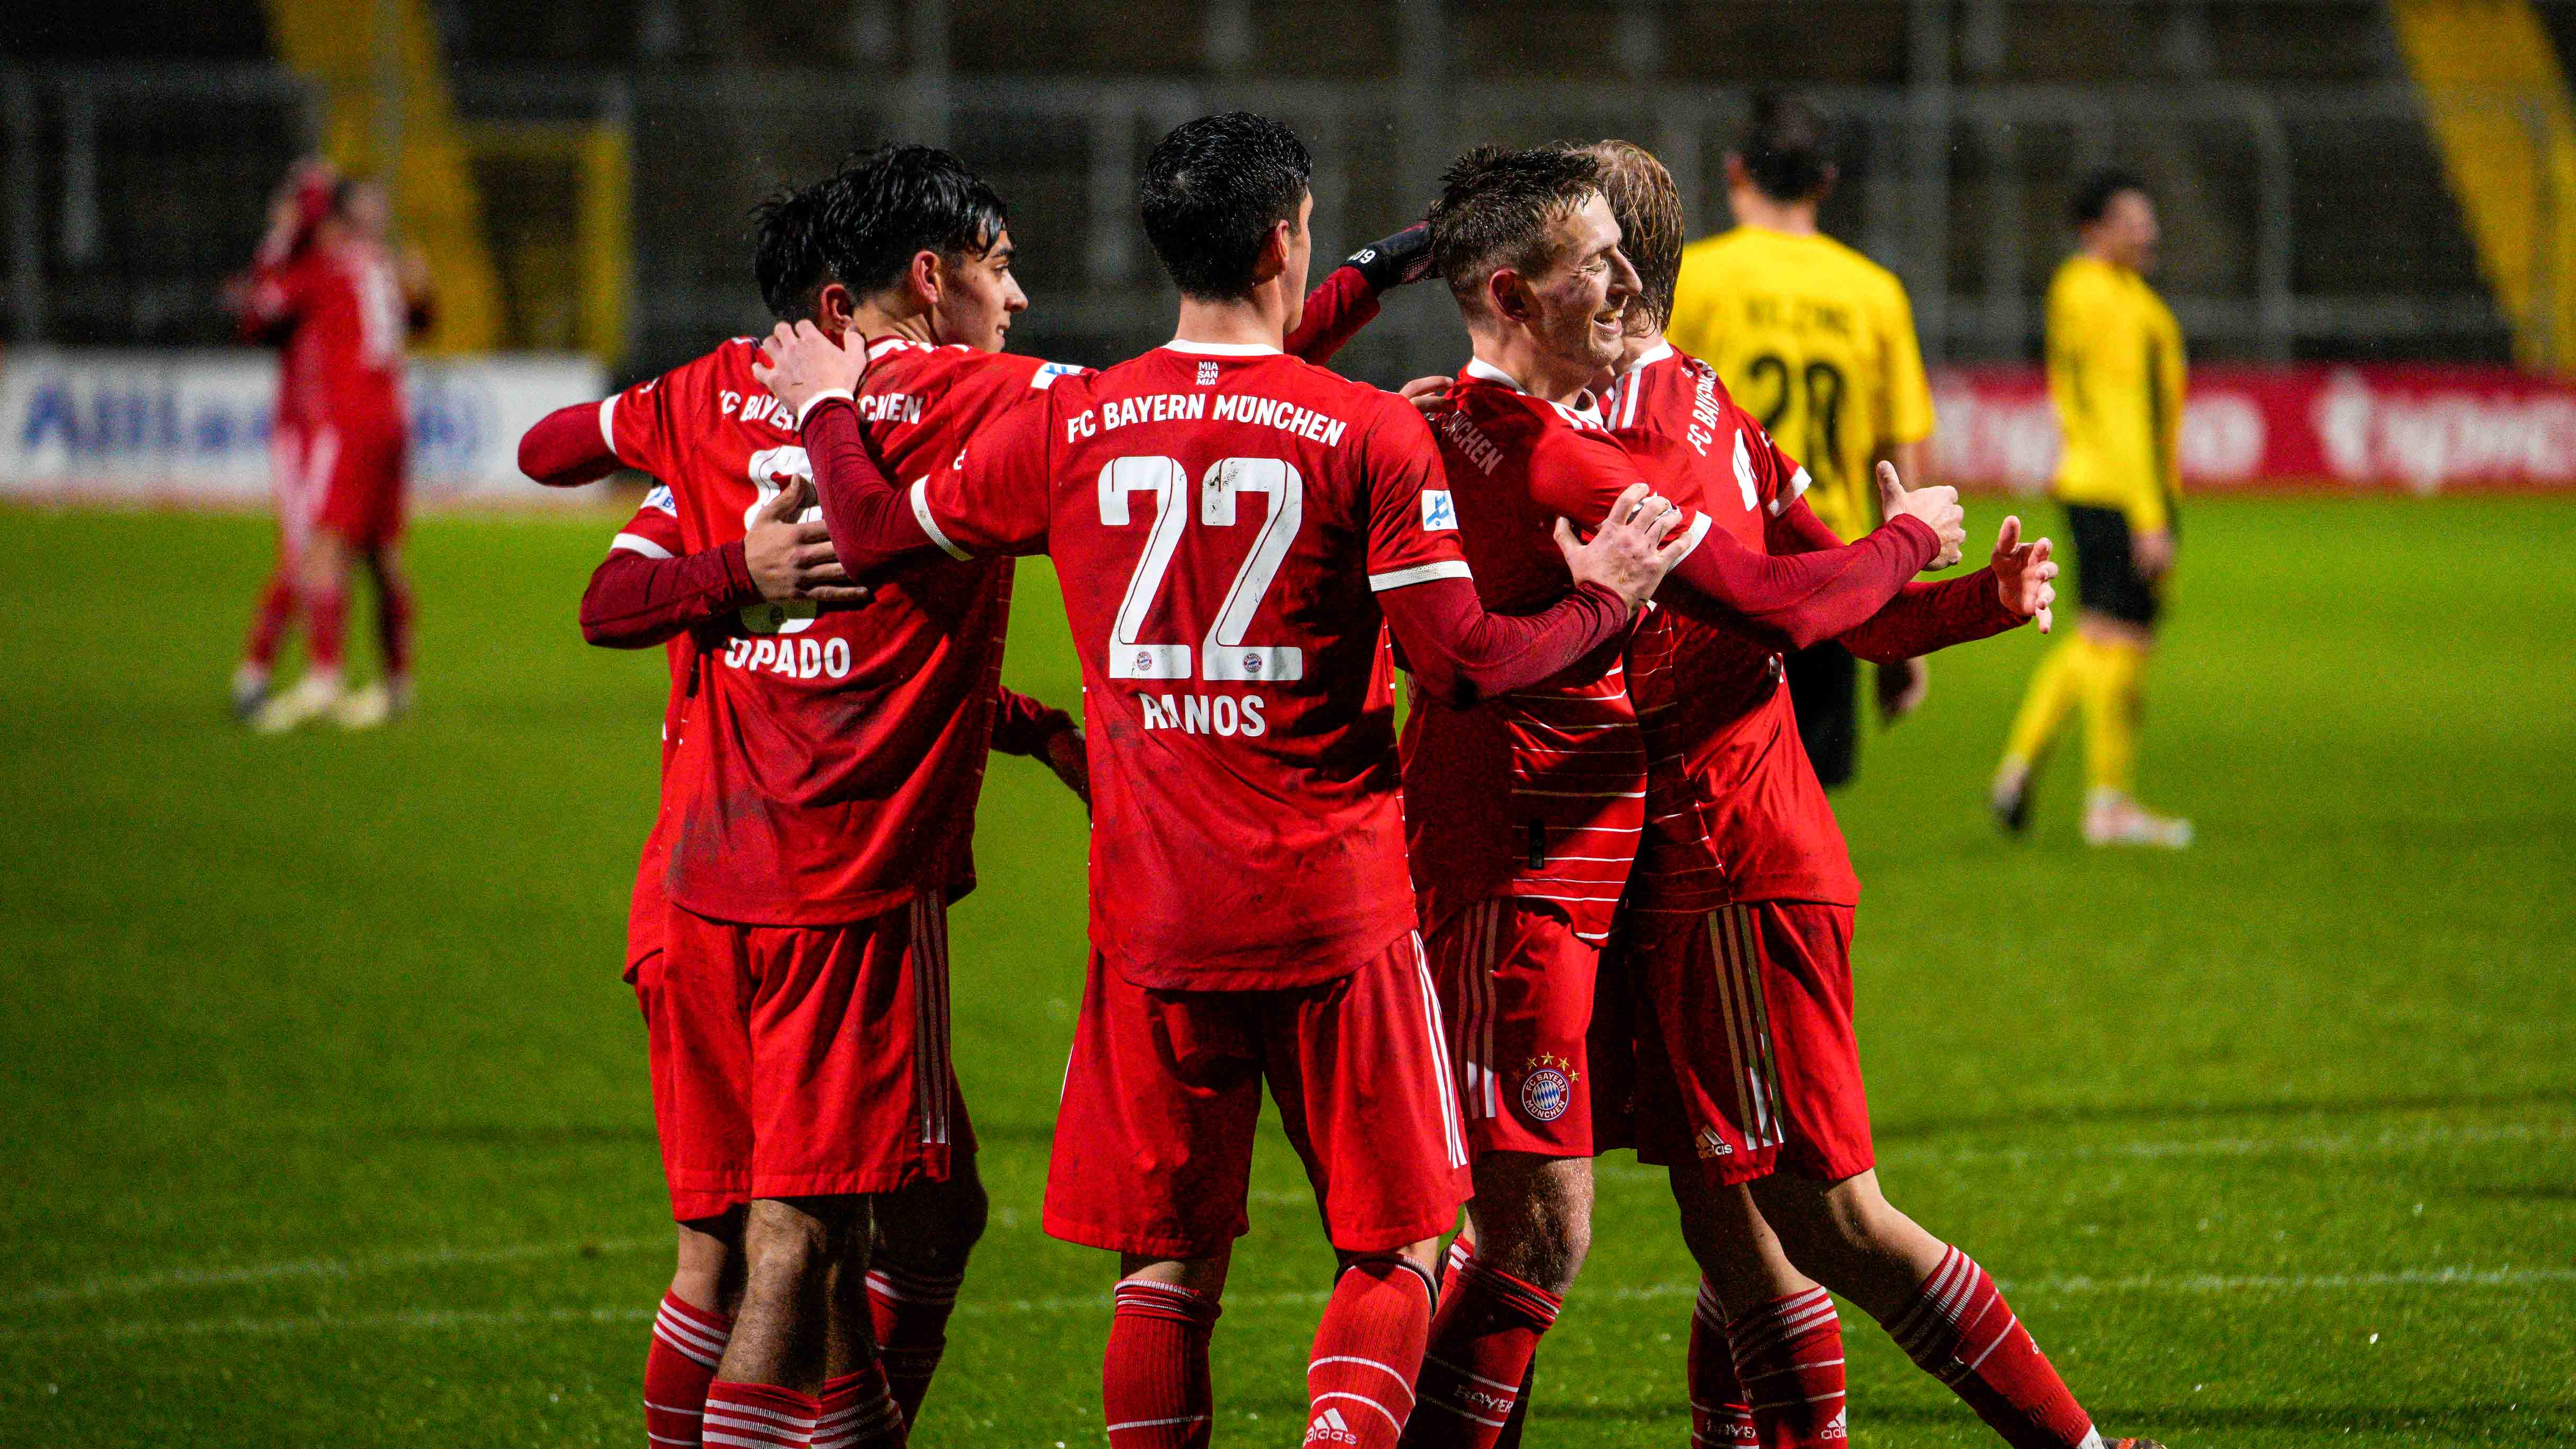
(1481, 1346)
(909, 1312)
(1960, 1331)
(268, 626)
(1789, 1360)
(1154, 1383)
(760, 1416)
(1462, 1251)
(327, 612)
(857, 1411)
(1721, 1416)
(1368, 1350)
(688, 1342)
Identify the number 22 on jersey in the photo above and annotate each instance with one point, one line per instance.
(1223, 654)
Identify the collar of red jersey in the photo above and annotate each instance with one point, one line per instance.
(1584, 409)
(1648, 358)
(1221, 349)
(889, 343)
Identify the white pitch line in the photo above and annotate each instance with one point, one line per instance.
(2318, 1145)
(453, 1318)
(2392, 1140)
(178, 1279)
(233, 1276)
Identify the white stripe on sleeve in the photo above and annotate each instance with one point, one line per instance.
(1692, 536)
(1418, 574)
(637, 543)
(608, 423)
(929, 525)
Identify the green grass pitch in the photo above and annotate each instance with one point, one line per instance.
(325, 1116)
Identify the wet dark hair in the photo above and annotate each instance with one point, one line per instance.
(1213, 189)
(1788, 146)
(862, 226)
(1494, 209)
(2094, 197)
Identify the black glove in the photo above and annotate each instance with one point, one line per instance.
(1401, 258)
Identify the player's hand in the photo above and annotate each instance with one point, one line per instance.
(1902, 687)
(1065, 756)
(2022, 575)
(1937, 506)
(793, 560)
(1630, 554)
(798, 363)
(1427, 394)
(2152, 553)
(1401, 258)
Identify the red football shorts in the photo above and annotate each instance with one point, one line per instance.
(1746, 1059)
(1516, 987)
(1153, 1142)
(344, 476)
(804, 1061)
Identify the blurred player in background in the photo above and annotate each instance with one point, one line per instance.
(328, 290)
(1816, 341)
(2115, 372)
(1252, 916)
(819, 810)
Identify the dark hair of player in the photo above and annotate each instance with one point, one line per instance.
(1213, 189)
(2099, 190)
(1494, 209)
(863, 226)
(1788, 146)
(1648, 206)
(787, 251)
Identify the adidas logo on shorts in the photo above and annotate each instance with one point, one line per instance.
(1330, 1428)
(1836, 1428)
(1712, 1145)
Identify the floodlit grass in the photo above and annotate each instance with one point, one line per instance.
(325, 1115)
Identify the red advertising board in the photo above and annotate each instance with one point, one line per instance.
(2420, 428)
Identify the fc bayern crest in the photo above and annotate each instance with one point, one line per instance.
(1545, 1094)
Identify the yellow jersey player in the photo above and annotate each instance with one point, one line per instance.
(2115, 373)
(1816, 341)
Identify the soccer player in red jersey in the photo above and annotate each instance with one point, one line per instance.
(1749, 1085)
(1525, 811)
(327, 290)
(647, 592)
(821, 815)
(1236, 532)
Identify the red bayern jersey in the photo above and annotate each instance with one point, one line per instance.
(831, 760)
(1539, 793)
(344, 318)
(1735, 812)
(1221, 518)
(654, 532)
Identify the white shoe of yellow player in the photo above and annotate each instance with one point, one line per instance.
(2112, 818)
(364, 708)
(313, 696)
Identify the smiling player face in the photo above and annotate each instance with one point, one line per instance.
(978, 297)
(1582, 300)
